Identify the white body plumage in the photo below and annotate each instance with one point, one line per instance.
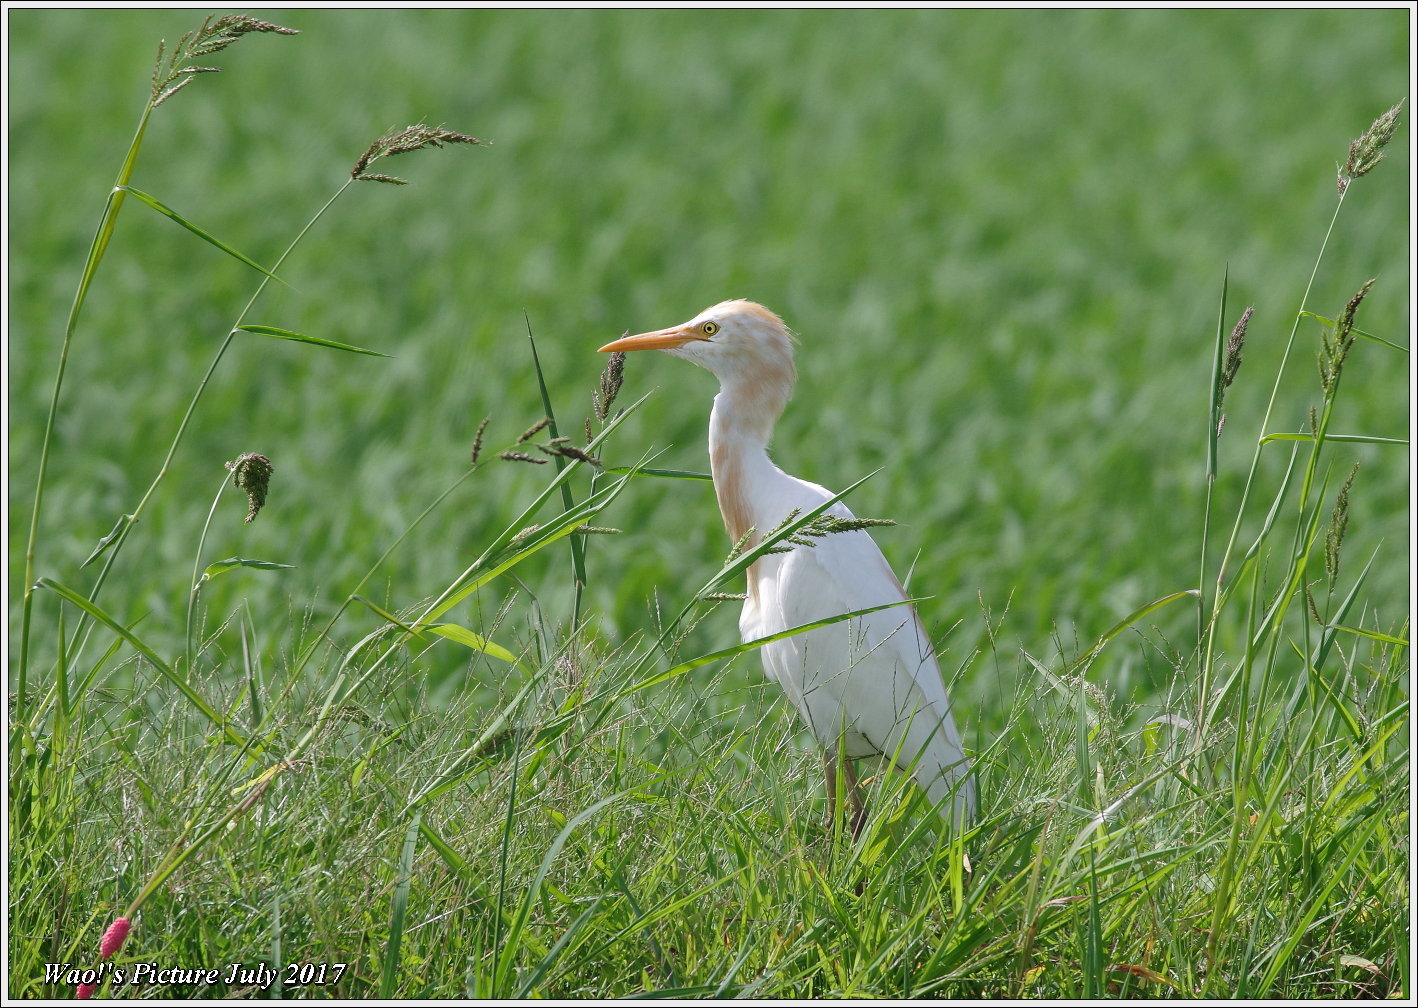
(868, 687)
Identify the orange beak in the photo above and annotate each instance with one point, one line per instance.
(663, 339)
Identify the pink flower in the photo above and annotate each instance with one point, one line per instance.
(111, 942)
(114, 937)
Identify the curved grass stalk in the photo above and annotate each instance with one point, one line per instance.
(97, 248)
(169, 76)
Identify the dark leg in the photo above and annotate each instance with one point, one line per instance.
(854, 795)
(831, 762)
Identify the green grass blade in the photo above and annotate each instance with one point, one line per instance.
(1372, 635)
(748, 557)
(202, 233)
(475, 642)
(542, 538)
(444, 850)
(286, 334)
(1126, 622)
(251, 666)
(104, 232)
(1329, 323)
(1253, 553)
(231, 563)
(498, 545)
(449, 631)
(528, 986)
(1316, 902)
(109, 540)
(74, 598)
(662, 473)
(1327, 641)
(1336, 702)
(578, 547)
(532, 895)
(1353, 438)
(97, 247)
(757, 642)
(457, 771)
(398, 910)
(277, 953)
(1214, 413)
(385, 615)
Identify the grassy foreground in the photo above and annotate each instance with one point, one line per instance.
(482, 794)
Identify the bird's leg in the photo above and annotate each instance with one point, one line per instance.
(829, 763)
(833, 762)
(854, 796)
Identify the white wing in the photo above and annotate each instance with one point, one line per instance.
(869, 686)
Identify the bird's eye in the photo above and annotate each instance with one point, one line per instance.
(709, 328)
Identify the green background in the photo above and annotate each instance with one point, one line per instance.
(1001, 237)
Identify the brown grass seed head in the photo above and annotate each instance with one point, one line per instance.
(211, 37)
(410, 138)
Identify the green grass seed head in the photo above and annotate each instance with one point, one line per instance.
(1231, 363)
(1334, 351)
(611, 376)
(1338, 522)
(252, 473)
(1366, 151)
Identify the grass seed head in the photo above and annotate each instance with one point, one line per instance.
(410, 138)
(252, 473)
(516, 456)
(478, 441)
(1231, 363)
(743, 543)
(569, 451)
(1338, 522)
(532, 431)
(170, 76)
(820, 527)
(1334, 351)
(1314, 607)
(1366, 151)
(611, 377)
(780, 547)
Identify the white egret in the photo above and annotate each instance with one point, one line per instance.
(868, 687)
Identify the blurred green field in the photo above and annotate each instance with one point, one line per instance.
(1001, 237)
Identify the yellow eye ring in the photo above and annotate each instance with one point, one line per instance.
(709, 328)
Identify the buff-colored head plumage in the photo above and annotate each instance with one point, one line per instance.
(747, 346)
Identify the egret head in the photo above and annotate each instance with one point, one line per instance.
(744, 344)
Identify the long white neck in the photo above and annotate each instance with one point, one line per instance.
(740, 427)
